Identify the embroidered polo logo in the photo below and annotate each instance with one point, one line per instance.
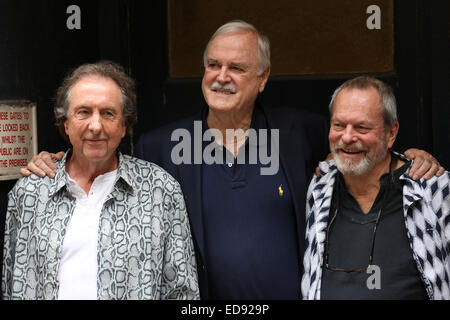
(280, 190)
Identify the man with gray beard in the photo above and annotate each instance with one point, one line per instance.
(372, 231)
(347, 166)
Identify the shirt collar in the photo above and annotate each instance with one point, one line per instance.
(258, 118)
(60, 179)
(396, 174)
(124, 173)
(258, 121)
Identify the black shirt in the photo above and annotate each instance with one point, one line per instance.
(350, 242)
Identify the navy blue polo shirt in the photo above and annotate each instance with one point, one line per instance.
(250, 226)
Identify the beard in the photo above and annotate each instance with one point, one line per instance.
(351, 167)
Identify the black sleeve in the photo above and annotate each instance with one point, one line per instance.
(317, 128)
(148, 147)
(154, 146)
(139, 149)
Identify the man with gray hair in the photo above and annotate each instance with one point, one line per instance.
(372, 231)
(108, 226)
(248, 227)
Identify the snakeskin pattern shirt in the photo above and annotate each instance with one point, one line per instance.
(144, 246)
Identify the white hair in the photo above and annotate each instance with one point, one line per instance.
(242, 26)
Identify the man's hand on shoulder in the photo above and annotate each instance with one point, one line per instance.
(425, 165)
(42, 164)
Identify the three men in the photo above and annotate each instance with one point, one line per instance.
(372, 231)
(248, 228)
(108, 226)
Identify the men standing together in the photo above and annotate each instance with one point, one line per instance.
(248, 228)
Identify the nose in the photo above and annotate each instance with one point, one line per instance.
(348, 135)
(95, 123)
(223, 77)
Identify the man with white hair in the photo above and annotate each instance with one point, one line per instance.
(372, 231)
(248, 227)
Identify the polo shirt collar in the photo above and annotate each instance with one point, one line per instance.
(259, 121)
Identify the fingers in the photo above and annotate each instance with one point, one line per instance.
(47, 159)
(434, 167)
(57, 156)
(42, 164)
(416, 165)
(440, 172)
(317, 172)
(420, 166)
(25, 172)
(425, 168)
(410, 153)
(39, 168)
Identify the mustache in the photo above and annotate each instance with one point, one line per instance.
(229, 87)
(354, 147)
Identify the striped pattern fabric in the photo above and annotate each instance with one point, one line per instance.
(426, 208)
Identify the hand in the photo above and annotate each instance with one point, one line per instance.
(425, 165)
(42, 164)
(329, 157)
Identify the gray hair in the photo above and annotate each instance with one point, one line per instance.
(384, 91)
(105, 69)
(242, 26)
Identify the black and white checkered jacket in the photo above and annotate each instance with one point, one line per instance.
(426, 206)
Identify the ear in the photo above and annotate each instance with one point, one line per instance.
(124, 130)
(265, 77)
(66, 127)
(392, 134)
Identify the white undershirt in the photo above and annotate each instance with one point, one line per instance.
(77, 273)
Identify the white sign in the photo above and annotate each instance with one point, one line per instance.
(18, 137)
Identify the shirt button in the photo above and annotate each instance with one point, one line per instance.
(230, 165)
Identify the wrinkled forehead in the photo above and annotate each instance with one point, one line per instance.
(95, 89)
(240, 45)
(356, 102)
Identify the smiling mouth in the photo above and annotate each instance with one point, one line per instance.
(350, 152)
(94, 141)
(222, 91)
